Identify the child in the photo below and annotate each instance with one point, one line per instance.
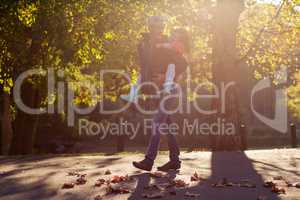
(179, 44)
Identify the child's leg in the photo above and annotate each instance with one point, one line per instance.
(169, 81)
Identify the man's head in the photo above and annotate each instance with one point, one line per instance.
(156, 25)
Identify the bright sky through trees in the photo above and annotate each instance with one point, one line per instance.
(270, 1)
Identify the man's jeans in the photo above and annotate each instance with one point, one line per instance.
(162, 118)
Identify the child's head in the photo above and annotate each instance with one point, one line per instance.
(182, 35)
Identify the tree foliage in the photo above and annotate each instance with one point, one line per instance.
(80, 37)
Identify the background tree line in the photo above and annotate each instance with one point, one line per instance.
(80, 37)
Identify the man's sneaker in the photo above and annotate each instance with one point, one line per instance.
(143, 165)
(171, 165)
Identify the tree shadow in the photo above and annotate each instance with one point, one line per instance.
(274, 167)
(16, 187)
(19, 182)
(144, 180)
(234, 166)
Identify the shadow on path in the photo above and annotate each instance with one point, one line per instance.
(234, 166)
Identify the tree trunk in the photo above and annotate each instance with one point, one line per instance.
(25, 124)
(224, 69)
(6, 124)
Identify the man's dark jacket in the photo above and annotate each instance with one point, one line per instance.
(154, 61)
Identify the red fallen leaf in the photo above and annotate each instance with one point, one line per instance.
(278, 190)
(179, 183)
(98, 198)
(100, 182)
(188, 194)
(157, 175)
(107, 172)
(156, 195)
(269, 184)
(118, 179)
(262, 198)
(68, 185)
(115, 189)
(115, 179)
(195, 177)
(81, 181)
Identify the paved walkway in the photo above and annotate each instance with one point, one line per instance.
(42, 177)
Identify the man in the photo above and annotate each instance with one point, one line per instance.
(153, 61)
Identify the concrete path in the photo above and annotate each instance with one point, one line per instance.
(41, 177)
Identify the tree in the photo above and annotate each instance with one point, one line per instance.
(224, 69)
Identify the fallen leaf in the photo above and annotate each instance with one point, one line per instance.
(107, 172)
(262, 198)
(278, 178)
(116, 189)
(81, 181)
(178, 183)
(248, 184)
(157, 175)
(98, 197)
(269, 184)
(99, 182)
(288, 184)
(217, 185)
(278, 190)
(188, 194)
(68, 185)
(118, 179)
(115, 179)
(296, 185)
(195, 177)
(73, 174)
(222, 183)
(155, 195)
